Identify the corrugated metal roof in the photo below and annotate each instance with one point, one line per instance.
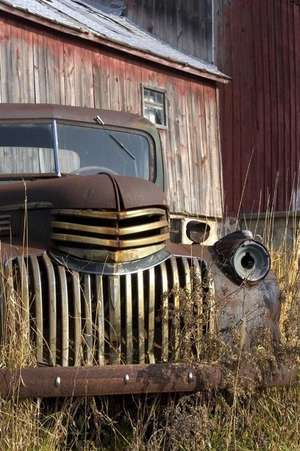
(81, 16)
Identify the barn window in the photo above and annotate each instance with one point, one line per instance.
(154, 106)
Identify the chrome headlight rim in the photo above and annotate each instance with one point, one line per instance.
(256, 265)
(231, 249)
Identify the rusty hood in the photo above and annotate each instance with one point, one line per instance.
(101, 191)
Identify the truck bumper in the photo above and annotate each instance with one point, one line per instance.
(48, 382)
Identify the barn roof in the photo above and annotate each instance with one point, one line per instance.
(79, 18)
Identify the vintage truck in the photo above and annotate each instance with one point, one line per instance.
(86, 253)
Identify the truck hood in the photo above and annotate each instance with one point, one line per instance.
(101, 191)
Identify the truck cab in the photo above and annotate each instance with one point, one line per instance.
(86, 254)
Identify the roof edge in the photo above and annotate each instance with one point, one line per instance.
(111, 44)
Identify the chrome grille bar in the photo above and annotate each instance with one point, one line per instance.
(175, 315)
(88, 329)
(123, 231)
(77, 319)
(52, 308)
(110, 214)
(9, 294)
(64, 315)
(165, 312)
(24, 294)
(129, 326)
(5, 225)
(100, 318)
(114, 319)
(37, 284)
(187, 276)
(151, 316)
(117, 236)
(141, 316)
(119, 244)
(198, 303)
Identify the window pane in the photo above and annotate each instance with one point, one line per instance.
(154, 106)
(26, 149)
(154, 115)
(153, 96)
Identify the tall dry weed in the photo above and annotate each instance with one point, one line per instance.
(241, 418)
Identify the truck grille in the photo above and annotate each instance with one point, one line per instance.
(109, 235)
(77, 319)
(5, 226)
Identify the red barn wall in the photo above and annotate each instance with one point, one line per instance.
(259, 47)
(41, 66)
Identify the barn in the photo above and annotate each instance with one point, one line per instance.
(258, 46)
(89, 53)
(230, 149)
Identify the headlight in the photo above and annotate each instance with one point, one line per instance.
(197, 231)
(243, 258)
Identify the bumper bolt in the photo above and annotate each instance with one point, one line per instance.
(57, 381)
(190, 377)
(126, 378)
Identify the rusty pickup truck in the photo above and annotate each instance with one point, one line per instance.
(86, 254)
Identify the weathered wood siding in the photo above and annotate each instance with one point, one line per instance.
(43, 67)
(185, 24)
(259, 47)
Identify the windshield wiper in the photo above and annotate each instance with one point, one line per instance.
(120, 144)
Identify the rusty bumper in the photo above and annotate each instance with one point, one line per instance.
(131, 379)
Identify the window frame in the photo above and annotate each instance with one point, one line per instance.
(161, 91)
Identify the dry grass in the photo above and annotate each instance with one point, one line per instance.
(238, 419)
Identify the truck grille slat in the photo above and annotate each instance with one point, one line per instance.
(141, 316)
(64, 315)
(114, 319)
(128, 315)
(197, 288)
(100, 318)
(37, 288)
(151, 315)
(104, 255)
(8, 292)
(122, 231)
(88, 326)
(129, 214)
(24, 293)
(110, 235)
(5, 225)
(175, 312)
(52, 311)
(165, 312)
(77, 319)
(187, 276)
(120, 244)
(86, 319)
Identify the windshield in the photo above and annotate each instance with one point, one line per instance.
(29, 149)
(95, 149)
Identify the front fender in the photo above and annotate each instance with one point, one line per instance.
(255, 305)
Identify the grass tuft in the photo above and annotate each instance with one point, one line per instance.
(240, 418)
